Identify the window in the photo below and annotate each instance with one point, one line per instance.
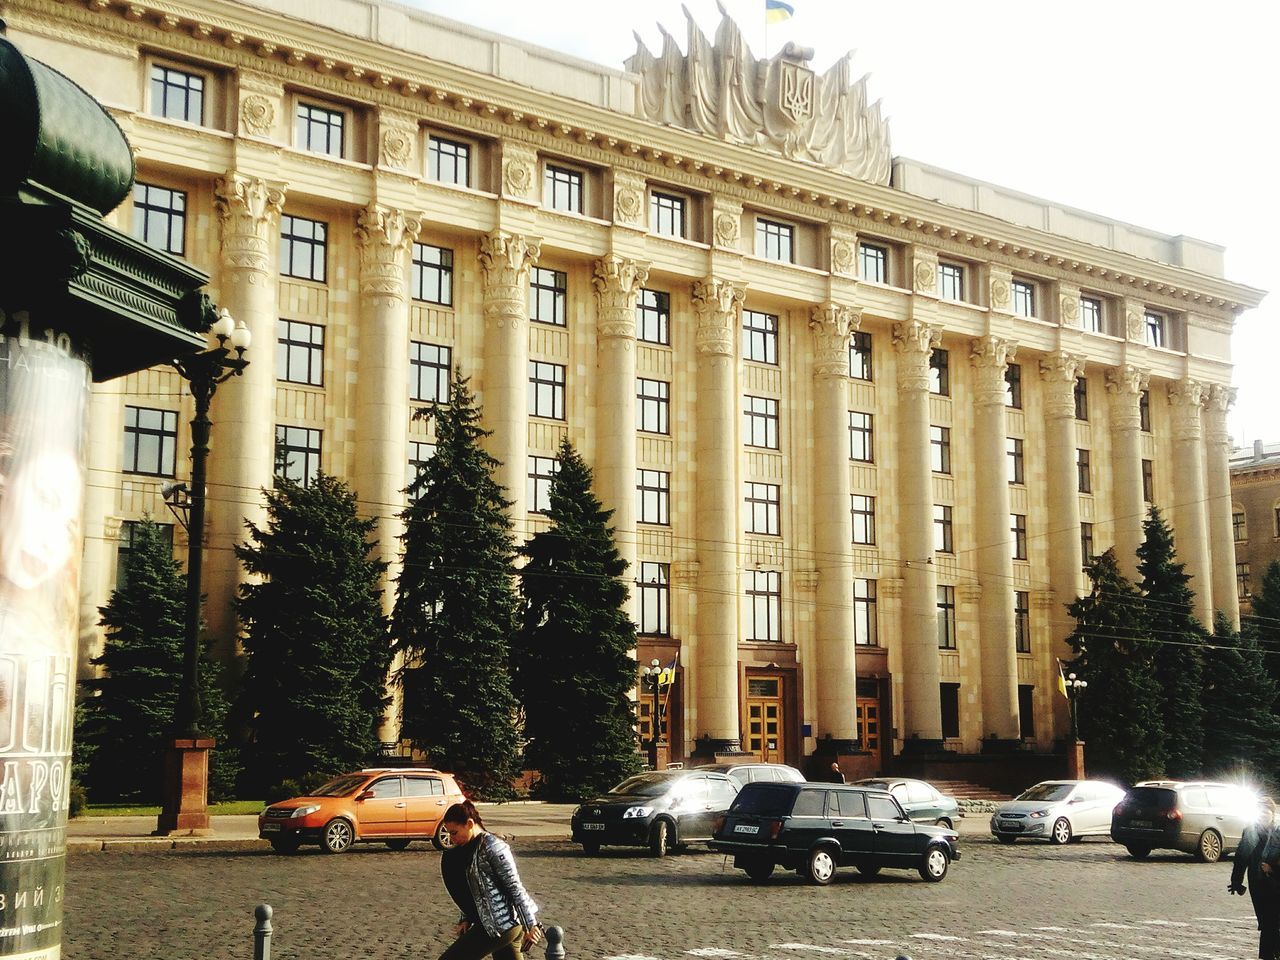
(863, 509)
(940, 449)
(432, 278)
(865, 626)
(667, 214)
(775, 241)
(946, 617)
(177, 94)
(942, 538)
(764, 603)
(302, 247)
(873, 263)
(1013, 449)
(950, 281)
(652, 405)
(940, 372)
(654, 489)
(1091, 314)
(1086, 543)
(562, 189)
(319, 129)
(1018, 530)
(1013, 386)
(1024, 298)
(1081, 392)
(860, 356)
(760, 422)
(300, 352)
(762, 505)
(449, 161)
(537, 488)
(653, 317)
(1148, 482)
(546, 389)
(759, 337)
(160, 217)
(128, 534)
(150, 441)
(419, 453)
(1154, 329)
(547, 295)
(654, 587)
(949, 696)
(1144, 411)
(1239, 532)
(1243, 590)
(429, 366)
(1084, 480)
(297, 454)
(1021, 621)
(861, 437)
(1276, 529)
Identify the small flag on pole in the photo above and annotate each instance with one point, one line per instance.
(668, 677)
(775, 11)
(1062, 680)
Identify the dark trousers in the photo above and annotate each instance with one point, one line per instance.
(475, 944)
(1266, 907)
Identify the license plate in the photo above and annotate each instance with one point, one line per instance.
(593, 826)
(1139, 823)
(746, 828)
(270, 828)
(1011, 827)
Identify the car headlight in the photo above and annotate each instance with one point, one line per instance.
(1038, 814)
(636, 812)
(304, 811)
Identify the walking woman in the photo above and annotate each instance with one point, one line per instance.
(498, 918)
(1254, 859)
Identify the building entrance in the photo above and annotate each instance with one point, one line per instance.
(765, 710)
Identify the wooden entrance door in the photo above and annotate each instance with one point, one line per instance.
(869, 723)
(765, 712)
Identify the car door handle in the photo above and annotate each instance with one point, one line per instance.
(439, 803)
(877, 826)
(837, 823)
(401, 804)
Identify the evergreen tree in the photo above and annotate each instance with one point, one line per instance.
(1177, 646)
(1119, 711)
(316, 639)
(455, 610)
(1265, 621)
(573, 669)
(1242, 731)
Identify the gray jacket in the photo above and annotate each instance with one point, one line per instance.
(500, 897)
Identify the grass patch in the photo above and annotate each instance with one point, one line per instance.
(226, 808)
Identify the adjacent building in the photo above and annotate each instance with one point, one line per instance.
(1255, 515)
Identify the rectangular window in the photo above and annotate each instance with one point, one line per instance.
(548, 292)
(562, 189)
(762, 508)
(1148, 482)
(940, 449)
(860, 356)
(946, 617)
(150, 441)
(667, 214)
(865, 626)
(546, 389)
(1091, 314)
(653, 317)
(1243, 590)
(775, 241)
(942, 532)
(297, 454)
(764, 603)
(300, 352)
(759, 337)
(940, 372)
(950, 281)
(654, 490)
(1024, 298)
(1155, 329)
(302, 248)
(873, 263)
(1239, 531)
(949, 701)
(1013, 386)
(432, 277)
(1081, 392)
(160, 217)
(449, 161)
(861, 437)
(1016, 466)
(760, 422)
(652, 405)
(654, 588)
(1086, 543)
(420, 452)
(319, 129)
(863, 509)
(177, 94)
(1018, 530)
(1021, 621)
(429, 369)
(537, 487)
(1144, 411)
(1084, 477)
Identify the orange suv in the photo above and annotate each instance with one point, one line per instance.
(391, 805)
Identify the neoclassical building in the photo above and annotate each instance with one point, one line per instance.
(1255, 515)
(861, 420)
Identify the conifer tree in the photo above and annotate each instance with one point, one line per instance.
(573, 668)
(455, 610)
(1177, 643)
(1241, 731)
(316, 640)
(1265, 619)
(1119, 711)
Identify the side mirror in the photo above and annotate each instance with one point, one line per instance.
(366, 795)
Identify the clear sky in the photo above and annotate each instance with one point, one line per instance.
(1160, 114)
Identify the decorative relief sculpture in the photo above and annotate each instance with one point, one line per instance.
(1070, 311)
(914, 342)
(1000, 293)
(1059, 371)
(926, 277)
(990, 357)
(723, 91)
(505, 259)
(257, 115)
(728, 230)
(397, 147)
(1133, 325)
(383, 236)
(842, 256)
(519, 164)
(832, 325)
(618, 281)
(716, 303)
(628, 204)
(249, 209)
(1125, 383)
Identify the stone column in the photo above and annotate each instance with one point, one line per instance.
(103, 446)
(505, 261)
(1059, 371)
(994, 556)
(717, 303)
(835, 681)
(1125, 384)
(1218, 484)
(921, 697)
(1190, 530)
(242, 446)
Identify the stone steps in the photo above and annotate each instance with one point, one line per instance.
(965, 790)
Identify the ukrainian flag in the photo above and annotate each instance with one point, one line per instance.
(775, 11)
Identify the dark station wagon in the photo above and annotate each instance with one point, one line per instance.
(813, 828)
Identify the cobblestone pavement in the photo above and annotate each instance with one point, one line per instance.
(1085, 901)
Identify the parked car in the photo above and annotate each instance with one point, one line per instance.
(921, 801)
(745, 773)
(1058, 811)
(387, 805)
(1199, 817)
(660, 810)
(813, 828)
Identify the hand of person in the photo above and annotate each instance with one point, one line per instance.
(1236, 888)
(1266, 868)
(461, 928)
(532, 937)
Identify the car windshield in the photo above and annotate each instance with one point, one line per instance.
(341, 786)
(644, 785)
(1047, 791)
(765, 800)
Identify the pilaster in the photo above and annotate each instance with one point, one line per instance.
(1186, 397)
(1222, 547)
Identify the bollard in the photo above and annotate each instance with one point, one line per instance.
(262, 932)
(555, 943)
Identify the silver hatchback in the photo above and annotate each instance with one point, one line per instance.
(1058, 811)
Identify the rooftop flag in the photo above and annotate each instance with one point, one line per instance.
(775, 11)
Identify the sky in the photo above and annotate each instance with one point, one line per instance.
(1159, 114)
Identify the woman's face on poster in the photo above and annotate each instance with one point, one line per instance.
(41, 518)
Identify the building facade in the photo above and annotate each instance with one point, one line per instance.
(861, 420)
(1255, 515)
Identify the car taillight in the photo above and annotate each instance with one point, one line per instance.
(775, 828)
(718, 825)
(1174, 814)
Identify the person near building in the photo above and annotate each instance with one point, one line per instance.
(837, 776)
(1258, 859)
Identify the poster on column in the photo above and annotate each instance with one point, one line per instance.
(44, 391)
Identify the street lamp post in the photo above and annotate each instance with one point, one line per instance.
(1075, 687)
(652, 675)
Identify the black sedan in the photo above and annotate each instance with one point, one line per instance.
(660, 810)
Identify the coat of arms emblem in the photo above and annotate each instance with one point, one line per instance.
(795, 94)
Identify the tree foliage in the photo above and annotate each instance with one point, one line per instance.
(1242, 731)
(1265, 621)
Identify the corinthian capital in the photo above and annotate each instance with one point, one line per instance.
(1186, 397)
(384, 237)
(1125, 383)
(914, 342)
(990, 357)
(716, 303)
(1216, 405)
(249, 211)
(505, 259)
(617, 282)
(832, 324)
(1059, 371)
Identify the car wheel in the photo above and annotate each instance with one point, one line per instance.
(660, 839)
(1138, 852)
(821, 866)
(1005, 838)
(397, 845)
(1061, 832)
(868, 869)
(933, 866)
(943, 822)
(1209, 849)
(759, 870)
(285, 844)
(440, 839)
(337, 836)
(591, 849)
